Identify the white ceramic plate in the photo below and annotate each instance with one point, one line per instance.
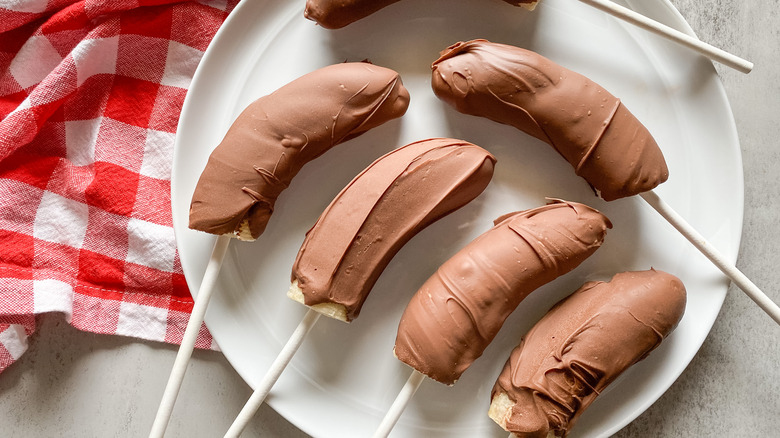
(345, 377)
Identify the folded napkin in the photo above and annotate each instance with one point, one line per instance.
(90, 96)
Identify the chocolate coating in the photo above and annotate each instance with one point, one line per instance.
(582, 344)
(379, 211)
(276, 135)
(587, 125)
(458, 311)
(335, 14)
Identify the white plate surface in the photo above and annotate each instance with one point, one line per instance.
(345, 377)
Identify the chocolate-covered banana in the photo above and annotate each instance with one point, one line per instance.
(459, 310)
(275, 136)
(580, 346)
(377, 213)
(587, 125)
(335, 14)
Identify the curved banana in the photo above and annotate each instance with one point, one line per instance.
(275, 136)
(377, 213)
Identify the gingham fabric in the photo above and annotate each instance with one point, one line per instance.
(90, 96)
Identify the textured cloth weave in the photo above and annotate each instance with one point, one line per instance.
(90, 96)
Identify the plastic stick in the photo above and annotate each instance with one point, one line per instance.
(398, 406)
(190, 335)
(675, 35)
(706, 248)
(270, 378)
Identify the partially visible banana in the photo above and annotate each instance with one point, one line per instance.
(335, 14)
(592, 129)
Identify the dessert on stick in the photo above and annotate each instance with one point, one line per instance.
(592, 129)
(459, 310)
(580, 346)
(275, 136)
(366, 224)
(264, 148)
(335, 14)
(588, 126)
(377, 213)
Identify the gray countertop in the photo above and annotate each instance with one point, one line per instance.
(75, 384)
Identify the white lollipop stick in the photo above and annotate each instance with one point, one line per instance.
(675, 35)
(398, 406)
(190, 335)
(713, 254)
(270, 378)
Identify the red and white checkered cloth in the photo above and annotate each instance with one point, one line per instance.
(90, 96)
